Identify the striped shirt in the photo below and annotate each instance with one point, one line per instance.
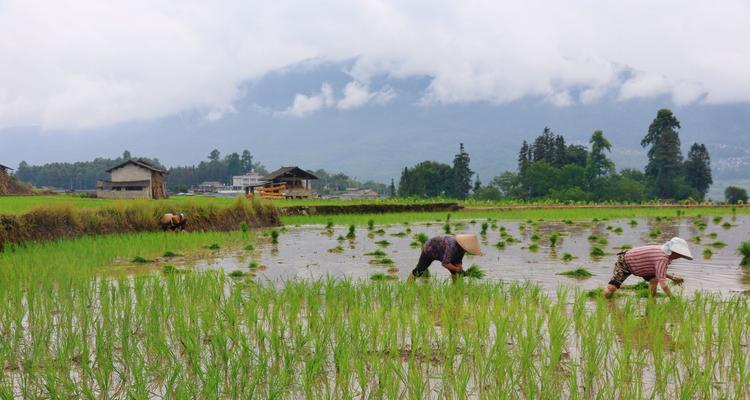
(646, 261)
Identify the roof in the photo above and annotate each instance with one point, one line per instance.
(289, 172)
(4, 167)
(140, 163)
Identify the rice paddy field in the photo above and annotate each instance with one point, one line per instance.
(319, 309)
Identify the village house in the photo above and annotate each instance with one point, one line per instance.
(295, 180)
(358, 194)
(133, 179)
(248, 181)
(209, 187)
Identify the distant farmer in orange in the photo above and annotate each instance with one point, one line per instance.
(650, 263)
(449, 250)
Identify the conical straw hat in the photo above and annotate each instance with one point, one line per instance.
(470, 243)
(679, 246)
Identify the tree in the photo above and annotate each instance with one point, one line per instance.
(234, 165)
(598, 164)
(392, 188)
(524, 156)
(576, 154)
(214, 155)
(509, 184)
(477, 185)
(461, 174)
(664, 156)
(698, 169)
(126, 155)
(734, 195)
(247, 161)
(426, 179)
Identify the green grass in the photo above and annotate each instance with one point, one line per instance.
(575, 214)
(744, 251)
(577, 273)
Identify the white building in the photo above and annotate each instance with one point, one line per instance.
(250, 180)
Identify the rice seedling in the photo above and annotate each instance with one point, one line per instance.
(140, 260)
(329, 225)
(214, 246)
(170, 254)
(718, 245)
(383, 243)
(399, 234)
(713, 235)
(336, 250)
(744, 251)
(483, 231)
(633, 222)
(602, 241)
(341, 238)
(726, 225)
(597, 252)
(474, 271)
(696, 239)
(535, 237)
(370, 224)
(419, 239)
(577, 273)
(618, 230)
(382, 261)
(237, 273)
(717, 219)
(244, 227)
(626, 246)
(379, 276)
(654, 233)
(707, 253)
(500, 244)
(376, 253)
(253, 265)
(642, 285)
(352, 234)
(447, 228)
(534, 246)
(567, 257)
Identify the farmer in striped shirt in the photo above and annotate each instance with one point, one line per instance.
(650, 263)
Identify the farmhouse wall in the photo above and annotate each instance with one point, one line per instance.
(124, 194)
(131, 172)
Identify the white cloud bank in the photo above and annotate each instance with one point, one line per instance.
(355, 95)
(77, 64)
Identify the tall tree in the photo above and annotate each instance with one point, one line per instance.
(698, 169)
(664, 156)
(234, 165)
(524, 157)
(126, 155)
(247, 161)
(734, 195)
(214, 155)
(393, 188)
(598, 164)
(461, 174)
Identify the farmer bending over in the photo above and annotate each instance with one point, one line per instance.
(173, 221)
(650, 263)
(449, 250)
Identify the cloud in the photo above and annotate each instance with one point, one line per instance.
(355, 95)
(75, 64)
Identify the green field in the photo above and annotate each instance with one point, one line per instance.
(75, 324)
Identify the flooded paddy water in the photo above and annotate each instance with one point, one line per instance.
(313, 252)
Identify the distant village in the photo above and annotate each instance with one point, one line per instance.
(140, 179)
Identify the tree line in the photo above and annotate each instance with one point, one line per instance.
(84, 174)
(550, 168)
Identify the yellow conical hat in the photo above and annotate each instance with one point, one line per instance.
(470, 243)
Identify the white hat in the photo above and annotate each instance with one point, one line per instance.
(678, 246)
(470, 243)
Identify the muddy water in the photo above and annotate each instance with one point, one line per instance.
(302, 252)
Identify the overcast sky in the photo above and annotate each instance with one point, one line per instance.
(69, 66)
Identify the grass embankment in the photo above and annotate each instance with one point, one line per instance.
(557, 214)
(206, 335)
(63, 221)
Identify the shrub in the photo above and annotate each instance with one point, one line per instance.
(140, 260)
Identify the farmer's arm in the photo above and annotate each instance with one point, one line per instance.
(452, 267)
(661, 276)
